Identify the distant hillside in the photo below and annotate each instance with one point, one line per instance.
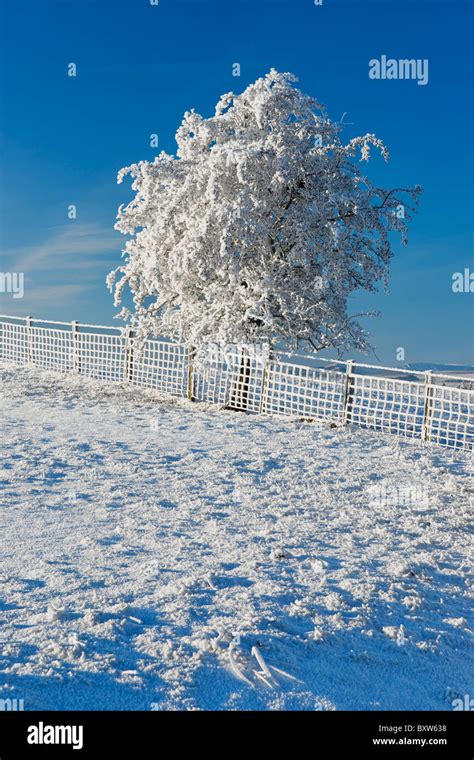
(423, 366)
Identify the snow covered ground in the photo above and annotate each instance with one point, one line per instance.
(160, 555)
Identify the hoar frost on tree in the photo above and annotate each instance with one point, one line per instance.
(261, 227)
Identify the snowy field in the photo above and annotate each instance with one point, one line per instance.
(160, 555)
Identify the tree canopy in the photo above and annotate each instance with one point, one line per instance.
(260, 228)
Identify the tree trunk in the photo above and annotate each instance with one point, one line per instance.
(240, 393)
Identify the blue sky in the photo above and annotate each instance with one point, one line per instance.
(139, 67)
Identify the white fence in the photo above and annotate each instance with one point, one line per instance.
(436, 408)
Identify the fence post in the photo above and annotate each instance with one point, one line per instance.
(190, 393)
(29, 341)
(128, 355)
(347, 391)
(266, 365)
(76, 365)
(425, 435)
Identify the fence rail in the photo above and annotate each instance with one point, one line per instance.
(433, 407)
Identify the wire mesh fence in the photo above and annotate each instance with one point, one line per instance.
(435, 408)
(306, 392)
(385, 404)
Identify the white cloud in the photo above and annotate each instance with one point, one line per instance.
(40, 300)
(70, 246)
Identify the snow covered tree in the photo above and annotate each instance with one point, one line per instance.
(260, 228)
